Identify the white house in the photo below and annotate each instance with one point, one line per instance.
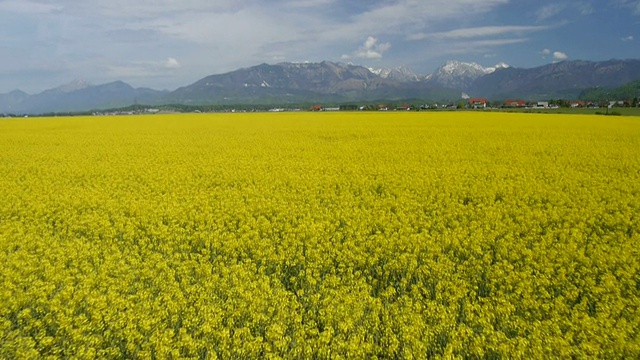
(543, 104)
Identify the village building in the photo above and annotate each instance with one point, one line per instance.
(515, 103)
(543, 104)
(478, 103)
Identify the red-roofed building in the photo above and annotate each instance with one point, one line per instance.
(477, 103)
(515, 103)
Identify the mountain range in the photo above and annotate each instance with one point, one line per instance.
(76, 97)
(329, 82)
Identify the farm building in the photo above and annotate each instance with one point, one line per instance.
(478, 103)
(543, 104)
(515, 103)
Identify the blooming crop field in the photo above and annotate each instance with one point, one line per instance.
(342, 235)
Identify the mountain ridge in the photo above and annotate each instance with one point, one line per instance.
(335, 82)
(460, 75)
(565, 79)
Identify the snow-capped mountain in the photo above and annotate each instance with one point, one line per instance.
(401, 74)
(497, 66)
(460, 75)
(382, 72)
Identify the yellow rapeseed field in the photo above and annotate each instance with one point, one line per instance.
(298, 235)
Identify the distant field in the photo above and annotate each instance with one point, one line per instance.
(299, 235)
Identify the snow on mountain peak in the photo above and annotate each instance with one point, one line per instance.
(459, 67)
(459, 74)
(497, 66)
(382, 72)
(450, 71)
(401, 73)
(455, 67)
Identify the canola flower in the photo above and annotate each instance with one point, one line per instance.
(347, 235)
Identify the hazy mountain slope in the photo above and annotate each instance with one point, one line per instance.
(12, 102)
(565, 79)
(69, 98)
(287, 83)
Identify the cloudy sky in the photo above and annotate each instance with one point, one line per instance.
(165, 44)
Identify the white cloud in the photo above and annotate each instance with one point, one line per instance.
(27, 7)
(146, 9)
(585, 9)
(405, 17)
(559, 56)
(631, 4)
(252, 30)
(628, 38)
(310, 3)
(634, 5)
(483, 44)
(171, 63)
(479, 47)
(478, 32)
(549, 11)
(371, 49)
(556, 55)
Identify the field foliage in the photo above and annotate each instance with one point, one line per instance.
(405, 235)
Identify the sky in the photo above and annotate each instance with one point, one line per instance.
(165, 44)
